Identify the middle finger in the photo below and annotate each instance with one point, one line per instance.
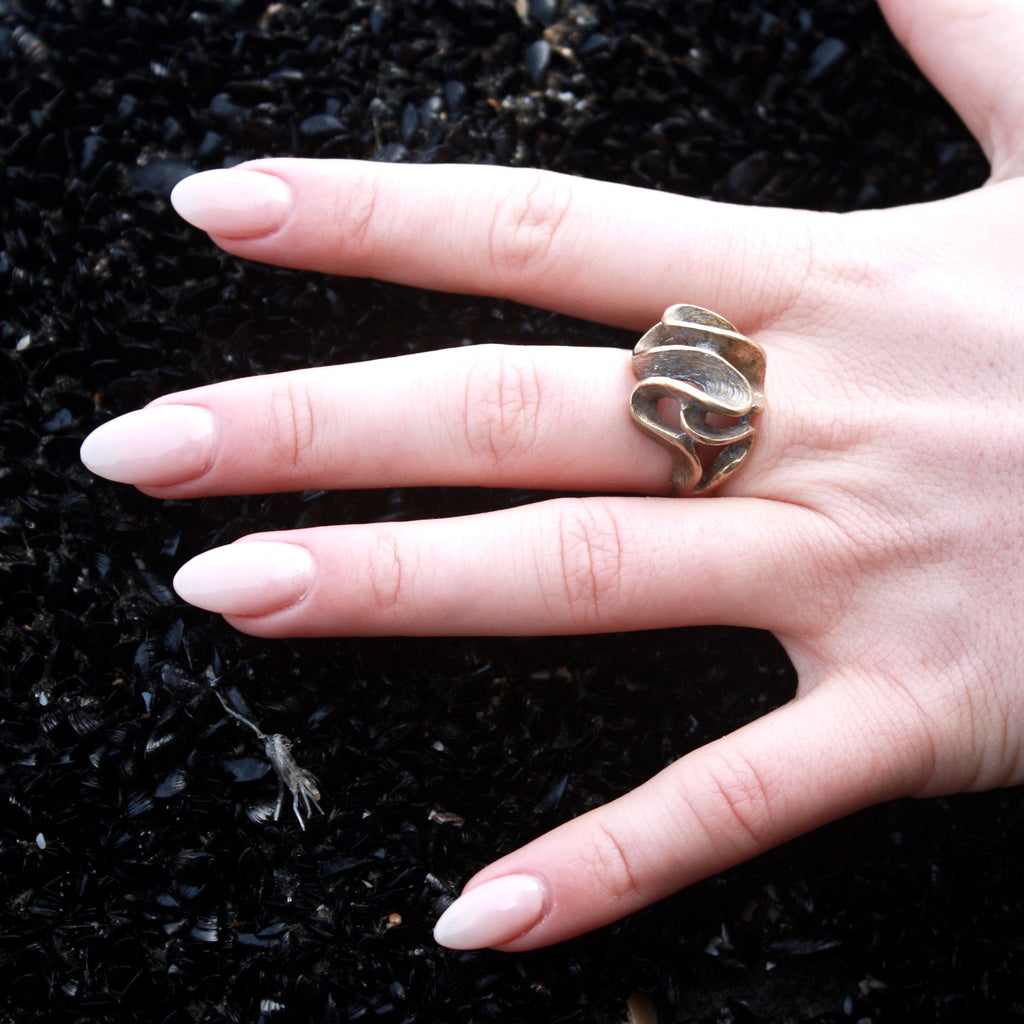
(491, 416)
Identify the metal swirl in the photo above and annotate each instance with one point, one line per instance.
(715, 375)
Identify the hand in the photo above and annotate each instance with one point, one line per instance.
(876, 528)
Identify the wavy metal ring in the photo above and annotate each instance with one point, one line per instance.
(715, 375)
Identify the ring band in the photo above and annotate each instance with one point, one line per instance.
(698, 360)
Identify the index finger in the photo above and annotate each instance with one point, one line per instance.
(606, 252)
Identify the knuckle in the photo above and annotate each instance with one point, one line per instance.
(834, 259)
(387, 576)
(738, 802)
(502, 400)
(292, 423)
(355, 209)
(607, 861)
(590, 553)
(527, 221)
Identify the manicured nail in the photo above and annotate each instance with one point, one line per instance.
(247, 578)
(154, 447)
(491, 914)
(233, 202)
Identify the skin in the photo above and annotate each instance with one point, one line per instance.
(876, 527)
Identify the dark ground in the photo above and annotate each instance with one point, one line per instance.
(141, 879)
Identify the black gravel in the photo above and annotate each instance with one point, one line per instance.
(142, 877)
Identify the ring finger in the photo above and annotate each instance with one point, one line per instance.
(564, 566)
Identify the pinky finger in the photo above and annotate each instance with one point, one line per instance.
(810, 762)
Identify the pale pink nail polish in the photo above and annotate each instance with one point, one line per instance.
(247, 578)
(154, 447)
(492, 914)
(233, 202)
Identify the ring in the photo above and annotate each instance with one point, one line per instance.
(715, 375)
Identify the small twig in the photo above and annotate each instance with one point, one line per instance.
(301, 784)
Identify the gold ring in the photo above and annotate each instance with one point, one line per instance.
(715, 375)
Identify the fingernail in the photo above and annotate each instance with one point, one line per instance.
(491, 914)
(233, 202)
(154, 447)
(247, 578)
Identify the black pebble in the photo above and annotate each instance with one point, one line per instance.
(545, 11)
(319, 126)
(824, 59)
(538, 57)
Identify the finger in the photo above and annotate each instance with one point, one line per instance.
(556, 567)
(487, 415)
(607, 252)
(818, 758)
(971, 52)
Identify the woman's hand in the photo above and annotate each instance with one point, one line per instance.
(876, 528)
